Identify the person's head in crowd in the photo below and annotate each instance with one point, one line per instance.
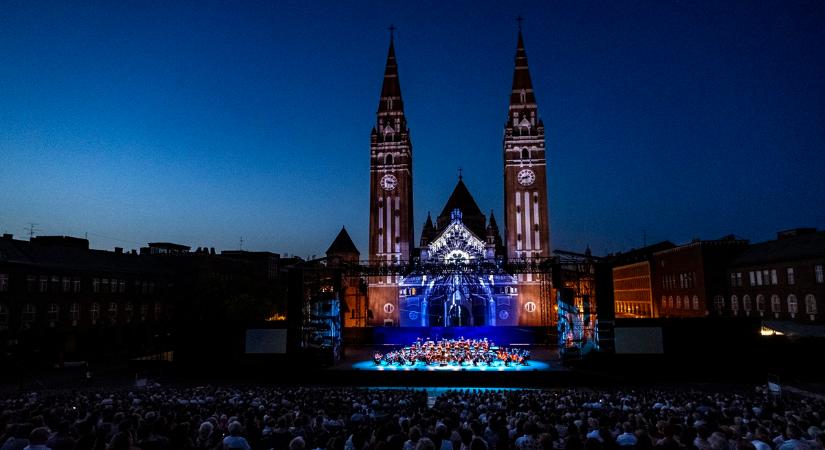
(297, 443)
(425, 444)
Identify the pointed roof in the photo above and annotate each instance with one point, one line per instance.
(461, 199)
(391, 89)
(521, 77)
(342, 244)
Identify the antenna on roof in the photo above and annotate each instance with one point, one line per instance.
(241, 246)
(32, 229)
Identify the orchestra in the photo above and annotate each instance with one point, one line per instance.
(453, 352)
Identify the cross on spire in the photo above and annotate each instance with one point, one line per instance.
(459, 173)
(519, 19)
(392, 31)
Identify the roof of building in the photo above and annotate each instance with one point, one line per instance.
(462, 200)
(342, 244)
(801, 246)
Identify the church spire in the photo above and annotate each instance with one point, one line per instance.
(523, 108)
(391, 89)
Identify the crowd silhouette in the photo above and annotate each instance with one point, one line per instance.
(295, 418)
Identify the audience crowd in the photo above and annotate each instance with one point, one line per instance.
(263, 418)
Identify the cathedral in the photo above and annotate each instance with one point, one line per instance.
(439, 288)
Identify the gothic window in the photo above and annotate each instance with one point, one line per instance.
(760, 303)
(525, 153)
(734, 304)
(678, 302)
(818, 274)
(523, 96)
(388, 159)
(746, 303)
(113, 311)
(791, 277)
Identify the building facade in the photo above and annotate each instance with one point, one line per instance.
(461, 234)
(777, 280)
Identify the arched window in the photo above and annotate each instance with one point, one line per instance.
(388, 159)
(746, 303)
(734, 304)
(113, 311)
(760, 303)
(525, 153)
(670, 302)
(810, 305)
(776, 304)
(719, 302)
(696, 303)
(678, 302)
(793, 305)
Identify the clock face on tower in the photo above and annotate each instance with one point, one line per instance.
(526, 177)
(388, 182)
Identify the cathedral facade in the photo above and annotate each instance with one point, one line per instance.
(438, 285)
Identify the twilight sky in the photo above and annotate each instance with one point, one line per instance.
(204, 122)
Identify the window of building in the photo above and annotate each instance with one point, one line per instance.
(28, 315)
(719, 302)
(818, 274)
(766, 276)
(774, 278)
(752, 277)
(776, 304)
(525, 153)
(734, 303)
(810, 305)
(129, 310)
(4, 282)
(53, 313)
(530, 307)
(793, 305)
(75, 284)
(696, 303)
(739, 282)
(746, 303)
(44, 284)
(67, 284)
(760, 303)
(144, 312)
(74, 313)
(791, 276)
(732, 279)
(96, 285)
(678, 302)
(670, 302)
(113, 311)
(759, 278)
(94, 313)
(122, 286)
(4, 316)
(388, 159)
(158, 310)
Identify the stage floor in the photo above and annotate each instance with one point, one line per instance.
(360, 358)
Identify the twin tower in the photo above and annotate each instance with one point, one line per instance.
(526, 226)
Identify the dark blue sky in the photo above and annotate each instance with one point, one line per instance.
(202, 122)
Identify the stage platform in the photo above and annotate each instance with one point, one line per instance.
(358, 368)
